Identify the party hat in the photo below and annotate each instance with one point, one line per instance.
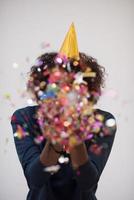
(69, 47)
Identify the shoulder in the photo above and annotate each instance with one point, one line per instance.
(24, 114)
(109, 121)
(106, 114)
(108, 132)
(28, 111)
(26, 117)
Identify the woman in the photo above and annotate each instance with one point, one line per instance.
(78, 178)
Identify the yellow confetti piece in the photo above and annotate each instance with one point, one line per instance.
(7, 96)
(76, 86)
(89, 74)
(85, 101)
(42, 84)
(75, 63)
(72, 141)
(20, 133)
(99, 117)
(91, 120)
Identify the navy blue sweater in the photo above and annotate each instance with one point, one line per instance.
(66, 183)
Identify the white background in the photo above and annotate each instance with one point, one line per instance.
(105, 31)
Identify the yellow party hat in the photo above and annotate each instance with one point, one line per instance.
(69, 47)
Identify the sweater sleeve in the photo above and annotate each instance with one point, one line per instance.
(89, 174)
(28, 153)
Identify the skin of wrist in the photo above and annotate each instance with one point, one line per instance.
(48, 156)
(57, 147)
(79, 155)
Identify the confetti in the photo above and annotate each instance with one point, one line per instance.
(79, 78)
(59, 60)
(20, 133)
(38, 139)
(15, 65)
(7, 96)
(78, 172)
(75, 63)
(96, 149)
(110, 122)
(63, 159)
(29, 101)
(67, 114)
(52, 169)
(45, 45)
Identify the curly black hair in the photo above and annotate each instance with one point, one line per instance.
(38, 73)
